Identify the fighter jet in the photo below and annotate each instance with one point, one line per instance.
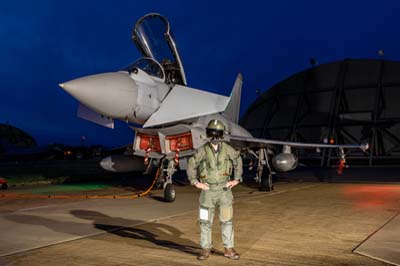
(169, 117)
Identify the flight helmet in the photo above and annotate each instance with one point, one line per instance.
(215, 129)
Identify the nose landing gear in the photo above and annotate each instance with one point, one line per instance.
(165, 179)
(169, 193)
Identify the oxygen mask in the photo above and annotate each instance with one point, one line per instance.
(214, 135)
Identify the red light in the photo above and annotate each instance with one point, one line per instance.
(332, 141)
(340, 167)
(181, 141)
(149, 141)
(372, 196)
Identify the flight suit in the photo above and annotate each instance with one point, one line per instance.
(215, 168)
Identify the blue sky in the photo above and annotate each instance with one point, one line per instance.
(44, 43)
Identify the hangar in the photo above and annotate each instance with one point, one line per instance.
(348, 101)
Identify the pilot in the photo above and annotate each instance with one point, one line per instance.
(210, 169)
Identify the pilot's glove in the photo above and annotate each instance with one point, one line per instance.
(203, 186)
(232, 183)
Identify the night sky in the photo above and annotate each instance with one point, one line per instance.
(44, 43)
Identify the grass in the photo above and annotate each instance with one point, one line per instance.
(68, 188)
(33, 179)
(66, 175)
(51, 172)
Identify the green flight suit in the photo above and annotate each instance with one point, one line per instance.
(215, 168)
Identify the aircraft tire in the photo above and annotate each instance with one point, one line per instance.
(265, 184)
(169, 193)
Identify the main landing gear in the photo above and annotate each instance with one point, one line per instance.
(264, 172)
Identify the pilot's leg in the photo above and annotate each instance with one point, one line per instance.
(206, 217)
(206, 221)
(225, 218)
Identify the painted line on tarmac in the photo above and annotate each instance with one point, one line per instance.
(371, 235)
(60, 204)
(258, 193)
(274, 193)
(44, 207)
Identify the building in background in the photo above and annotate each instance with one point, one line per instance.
(350, 101)
(14, 138)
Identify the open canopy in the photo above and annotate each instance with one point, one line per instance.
(154, 40)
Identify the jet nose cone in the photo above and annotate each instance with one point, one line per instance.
(68, 86)
(110, 94)
(95, 84)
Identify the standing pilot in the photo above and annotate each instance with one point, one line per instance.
(210, 169)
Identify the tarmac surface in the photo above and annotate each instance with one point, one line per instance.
(300, 223)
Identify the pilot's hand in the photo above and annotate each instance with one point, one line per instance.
(203, 186)
(232, 183)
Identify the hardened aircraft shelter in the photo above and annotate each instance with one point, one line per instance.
(349, 101)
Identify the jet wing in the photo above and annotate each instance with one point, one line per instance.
(184, 103)
(265, 143)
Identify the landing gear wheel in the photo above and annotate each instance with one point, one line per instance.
(169, 193)
(266, 181)
(4, 186)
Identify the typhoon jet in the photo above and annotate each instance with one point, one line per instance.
(169, 117)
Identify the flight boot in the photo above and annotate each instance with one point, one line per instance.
(204, 254)
(231, 254)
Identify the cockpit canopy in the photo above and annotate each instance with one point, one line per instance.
(148, 65)
(154, 40)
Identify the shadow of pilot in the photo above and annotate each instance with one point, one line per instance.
(156, 233)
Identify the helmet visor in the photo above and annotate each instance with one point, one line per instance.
(213, 133)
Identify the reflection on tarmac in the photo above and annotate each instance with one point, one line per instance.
(373, 195)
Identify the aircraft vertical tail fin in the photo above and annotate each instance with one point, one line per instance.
(232, 110)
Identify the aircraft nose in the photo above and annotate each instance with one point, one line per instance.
(111, 94)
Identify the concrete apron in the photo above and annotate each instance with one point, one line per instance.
(384, 244)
